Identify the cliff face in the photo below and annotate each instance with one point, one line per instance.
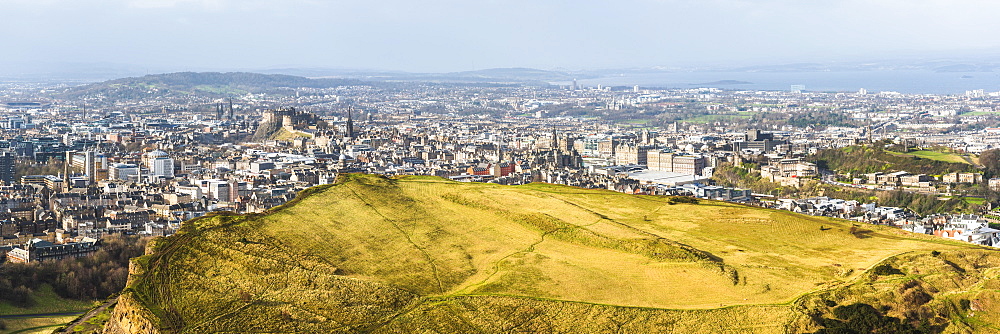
(265, 130)
(290, 119)
(129, 315)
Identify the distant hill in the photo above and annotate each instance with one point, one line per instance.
(194, 79)
(527, 74)
(427, 255)
(185, 84)
(517, 75)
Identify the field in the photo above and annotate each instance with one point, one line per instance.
(35, 325)
(981, 113)
(974, 200)
(423, 254)
(46, 302)
(935, 155)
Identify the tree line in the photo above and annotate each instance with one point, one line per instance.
(88, 278)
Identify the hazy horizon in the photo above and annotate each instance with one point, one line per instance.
(451, 35)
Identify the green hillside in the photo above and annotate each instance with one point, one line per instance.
(862, 159)
(426, 255)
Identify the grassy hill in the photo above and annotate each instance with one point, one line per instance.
(426, 255)
(870, 159)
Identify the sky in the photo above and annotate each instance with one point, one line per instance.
(462, 35)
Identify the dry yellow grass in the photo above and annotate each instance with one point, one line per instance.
(463, 238)
(371, 254)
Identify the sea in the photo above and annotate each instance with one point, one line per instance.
(902, 81)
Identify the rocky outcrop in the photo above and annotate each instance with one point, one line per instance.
(289, 119)
(130, 316)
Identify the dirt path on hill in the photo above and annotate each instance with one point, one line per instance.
(88, 315)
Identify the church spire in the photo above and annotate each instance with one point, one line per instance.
(500, 149)
(350, 123)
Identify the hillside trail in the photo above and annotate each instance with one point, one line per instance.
(88, 315)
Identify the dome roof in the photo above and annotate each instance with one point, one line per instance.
(157, 154)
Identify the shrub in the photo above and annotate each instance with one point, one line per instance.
(885, 270)
(682, 199)
(916, 297)
(863, 318)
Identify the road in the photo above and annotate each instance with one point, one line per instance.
(38, 315)
(91, 314)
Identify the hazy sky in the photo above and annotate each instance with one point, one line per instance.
(458, 35)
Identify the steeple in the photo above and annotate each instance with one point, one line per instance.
(500, 149)
(554, 141)
(350, 123)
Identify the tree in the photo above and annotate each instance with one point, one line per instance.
(21, 296)
(863, 318)
(991, 161)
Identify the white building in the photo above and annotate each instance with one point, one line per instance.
(969, 228)
(162, 167)
(123, 171)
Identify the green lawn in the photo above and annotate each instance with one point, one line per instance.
(933, 155)
(974, 200)
(46, 301)
(981, 113)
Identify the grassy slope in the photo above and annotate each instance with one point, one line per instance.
(422, 253)
(868, 159)
(285, 135)
(46, 301)
(933, 155)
